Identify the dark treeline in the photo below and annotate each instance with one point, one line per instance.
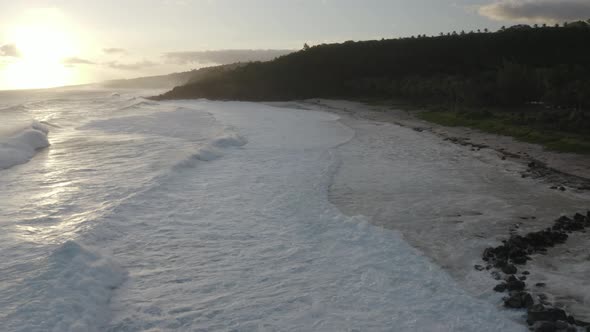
(513, 67)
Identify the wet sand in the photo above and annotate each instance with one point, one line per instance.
(452, 192)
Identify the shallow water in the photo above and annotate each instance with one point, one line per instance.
(198, 215)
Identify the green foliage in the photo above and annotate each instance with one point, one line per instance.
(516, 67)
(534, 129)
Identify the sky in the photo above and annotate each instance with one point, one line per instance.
(65, 42)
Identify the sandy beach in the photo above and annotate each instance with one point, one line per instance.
(460, 219)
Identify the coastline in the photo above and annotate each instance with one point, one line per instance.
(519, 193)
(570, 170)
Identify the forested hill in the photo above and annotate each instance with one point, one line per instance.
(168, 81)
(513, 66)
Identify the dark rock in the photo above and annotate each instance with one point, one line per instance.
(479, 267)
(579, 218)
(526, 273)
(500, 263)
(500, 287)
(523, 278)
(540, 284)
(540, 313)
(520, 260)
(488, 253)
(519, 300)
(546, 327)
(515, 285)
(509, 269)
(496, 275)
(562, 188)
(561, 325)
(503, 157)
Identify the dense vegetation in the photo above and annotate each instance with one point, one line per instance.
(168, 81)
(544, 71)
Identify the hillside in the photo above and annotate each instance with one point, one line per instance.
(168, 81)
(508, 67)
(528, 82)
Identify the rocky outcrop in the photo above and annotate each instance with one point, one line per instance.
(517, 251)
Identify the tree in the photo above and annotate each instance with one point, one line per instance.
(305, 47)
(516, 84)
(485, 30)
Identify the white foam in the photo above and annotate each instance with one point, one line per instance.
(72, 293)
(213, 149)
(246, 240)
(229, 139)
(22, 146)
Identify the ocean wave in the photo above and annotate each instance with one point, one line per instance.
(23, 145)
(136, 105)
(213, 149)
(72, 293)
(15, 108)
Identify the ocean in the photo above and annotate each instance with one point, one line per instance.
(118, 213)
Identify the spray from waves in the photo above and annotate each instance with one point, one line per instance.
(23, 145)
(74, 290)
(140, 104)
(72, 293)
(212, 150)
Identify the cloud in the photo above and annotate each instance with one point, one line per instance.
(223, 56)
(9, 50)
(77, 61)
(114, 50)
(131, 66)
(537, 10)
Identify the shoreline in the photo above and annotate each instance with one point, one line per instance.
(570, 170)
(455, 237)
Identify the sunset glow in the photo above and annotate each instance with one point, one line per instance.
(41, 46)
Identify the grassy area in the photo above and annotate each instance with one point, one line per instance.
(503, 124)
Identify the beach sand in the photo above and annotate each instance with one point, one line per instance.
(461, 209)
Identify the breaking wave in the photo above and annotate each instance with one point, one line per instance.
(21, 146)
(74, 290)
(212, 150)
